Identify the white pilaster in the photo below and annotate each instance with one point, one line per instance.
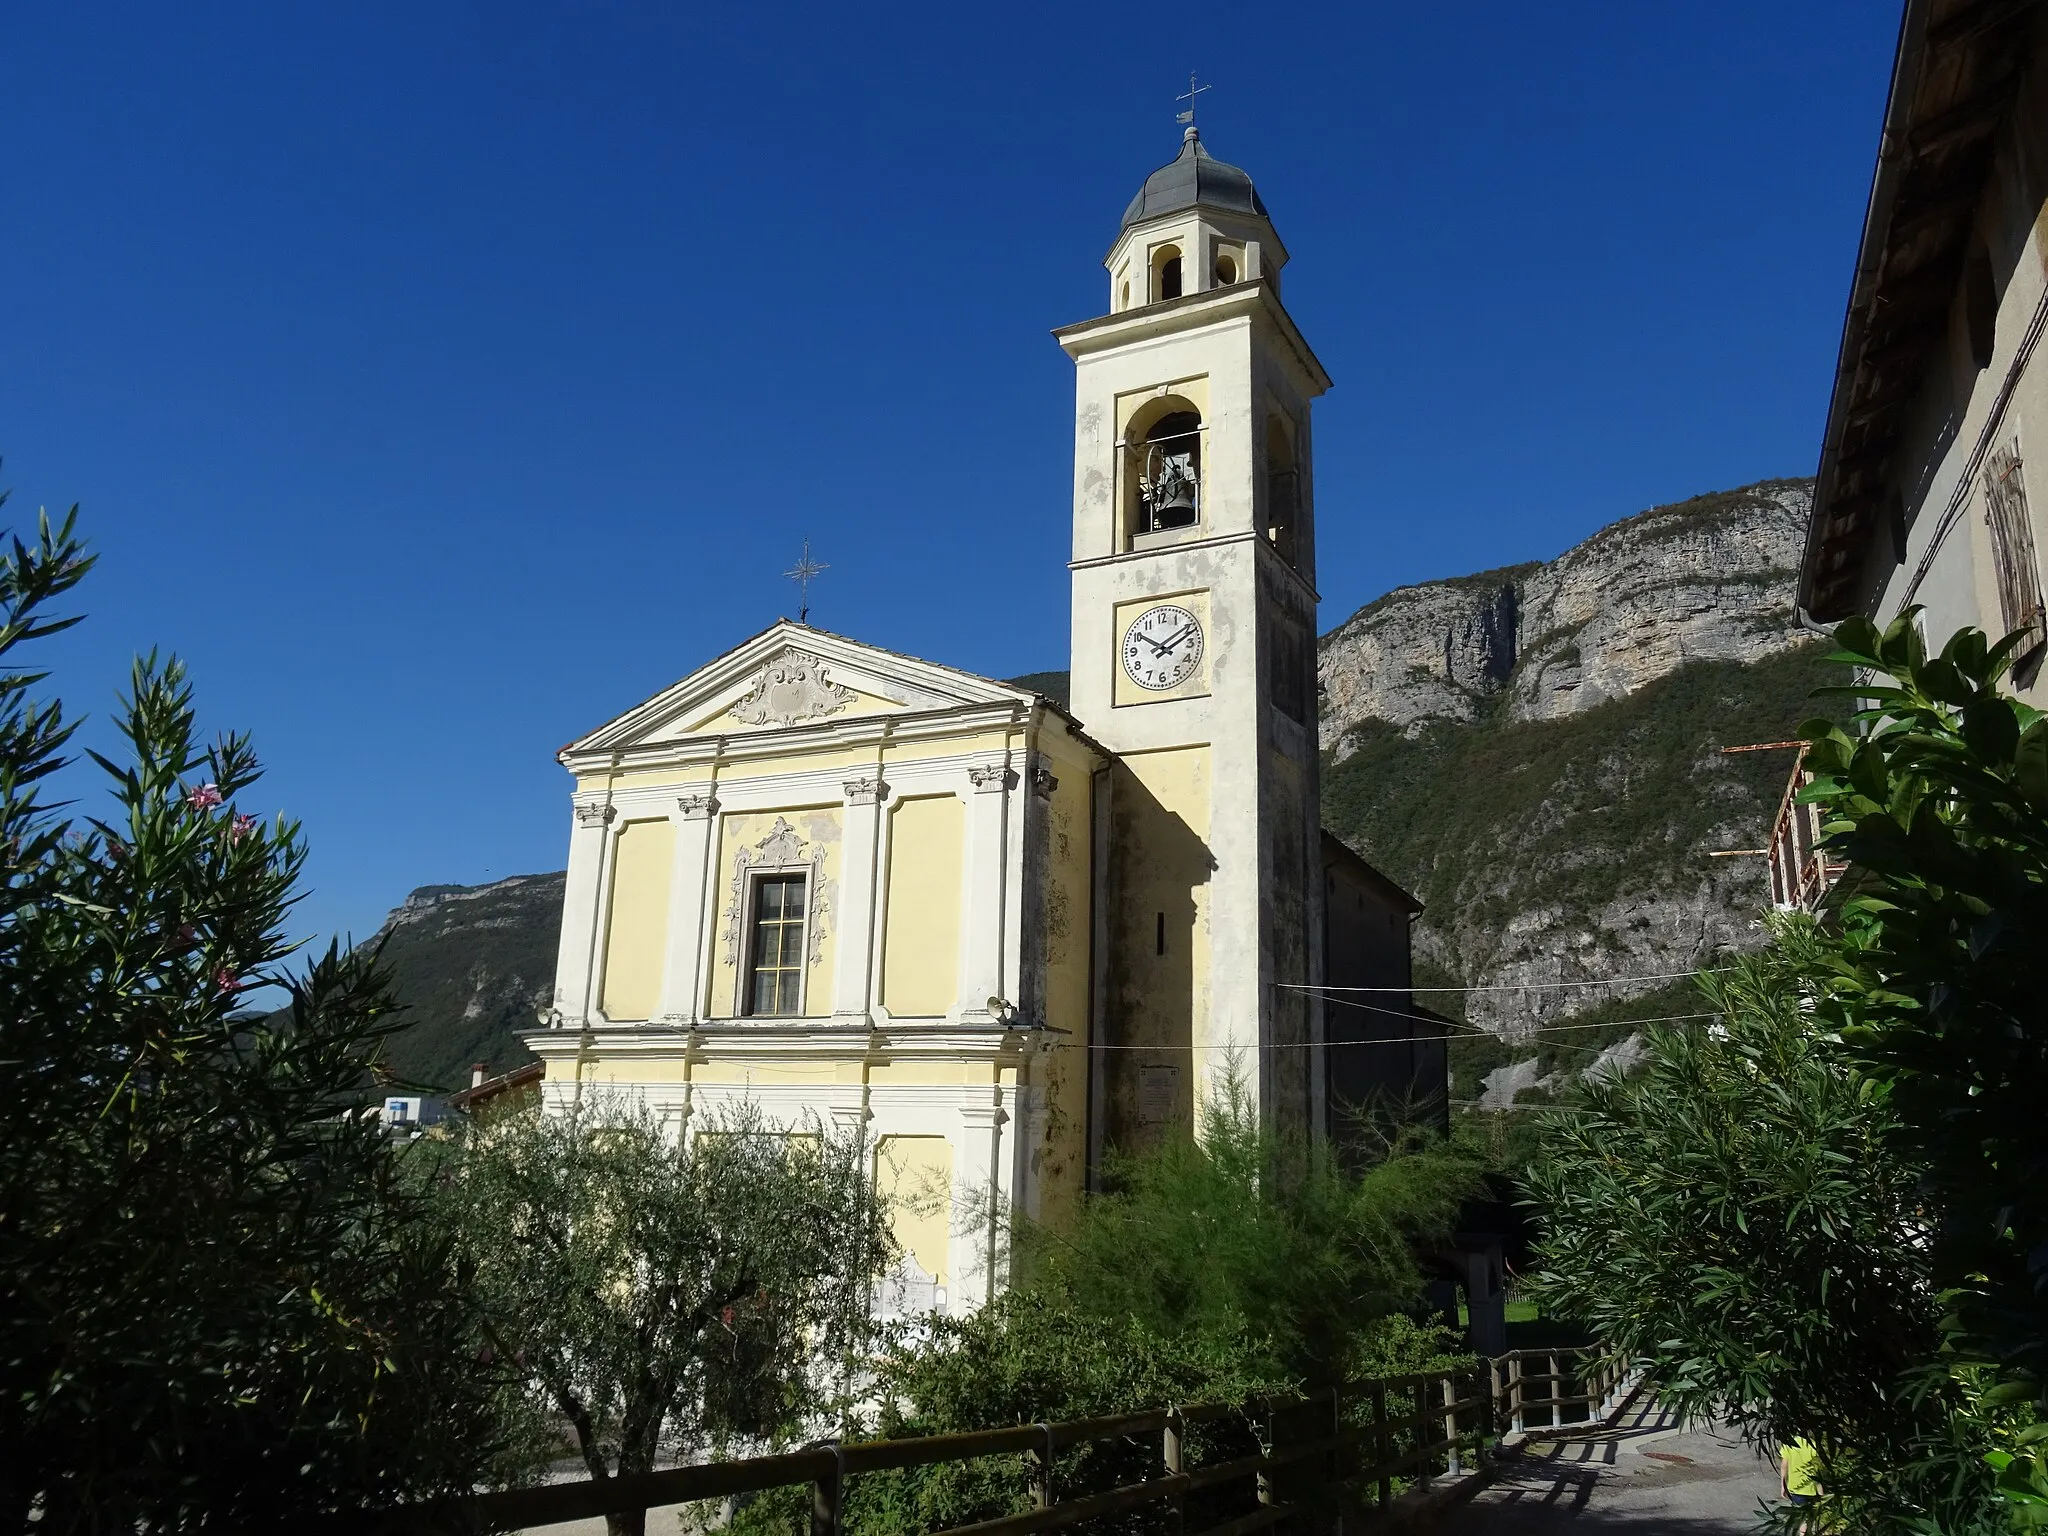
(987, 873)
(981, 1205)
(696, 823)
(582, 909)
(853, 988)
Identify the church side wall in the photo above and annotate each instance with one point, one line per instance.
(1064, 853)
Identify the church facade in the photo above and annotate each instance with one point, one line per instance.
(997, 933)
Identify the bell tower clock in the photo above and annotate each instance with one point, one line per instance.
(1194, 609)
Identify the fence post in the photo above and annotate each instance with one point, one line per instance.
(1556, 1393)
(1424, 1465)
(1383, 1451)
(1490, 1430)
(825, 1495)
(1453, 1464)
(1170, 1452)
(1041, 1470)
(1515, 1405)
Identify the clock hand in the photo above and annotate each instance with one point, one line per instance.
(1176, 640)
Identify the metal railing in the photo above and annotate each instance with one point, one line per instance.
(1352, 1443)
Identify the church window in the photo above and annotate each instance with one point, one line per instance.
(1226, 268)
(1161, 941)
(1124, 297)
(775, 953)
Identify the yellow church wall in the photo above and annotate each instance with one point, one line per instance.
(636, 941)
(1159, 932)
(921, 906)
(914, 1178)
(820, 827)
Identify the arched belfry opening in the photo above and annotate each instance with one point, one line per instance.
(1166, 273)
(1163, 467)
(1283, 489)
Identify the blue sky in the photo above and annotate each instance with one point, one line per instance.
(440, 380)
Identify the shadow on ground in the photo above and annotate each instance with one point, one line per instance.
(1650, 1475)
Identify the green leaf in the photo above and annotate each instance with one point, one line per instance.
(1991, 729)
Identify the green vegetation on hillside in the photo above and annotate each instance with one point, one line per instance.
(1488, 821)
(474, 966)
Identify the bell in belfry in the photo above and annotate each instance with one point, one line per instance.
(1170, 488)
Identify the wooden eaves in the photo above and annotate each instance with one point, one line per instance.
(1955, 78)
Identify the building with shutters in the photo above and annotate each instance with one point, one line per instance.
(1934, 467)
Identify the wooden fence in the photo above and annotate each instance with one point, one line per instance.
(1348, 1444)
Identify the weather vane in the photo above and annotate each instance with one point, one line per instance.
(802, 573)
(1194, 90)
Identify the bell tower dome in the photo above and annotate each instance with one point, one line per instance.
(1194, 622)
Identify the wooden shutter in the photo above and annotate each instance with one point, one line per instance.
(2012, 549)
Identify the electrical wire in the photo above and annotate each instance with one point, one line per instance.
(1474, 1032)
(1510, 986)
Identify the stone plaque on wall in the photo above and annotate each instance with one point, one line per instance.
(1158, 1095)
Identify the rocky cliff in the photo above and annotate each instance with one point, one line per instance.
(1535, 751)
(1707, 579)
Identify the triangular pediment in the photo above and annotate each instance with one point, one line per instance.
(787, 678)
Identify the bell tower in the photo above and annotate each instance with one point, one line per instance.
(1194, 626)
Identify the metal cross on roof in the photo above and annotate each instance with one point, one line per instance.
(1194, 90)
(802, 574)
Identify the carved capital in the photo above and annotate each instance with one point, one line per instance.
(865, 791)
(697, 807)
(596, 815)
(790, 689)
(991, 780)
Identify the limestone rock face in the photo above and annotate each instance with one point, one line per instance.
(1529, 752)
(1710, 578)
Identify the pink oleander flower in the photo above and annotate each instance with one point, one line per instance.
(225, 980)
(186, 935)
(242, 827)
(204, 797)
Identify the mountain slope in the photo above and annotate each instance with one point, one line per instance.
(1578, 848)
(1535, 751)
(474, 965)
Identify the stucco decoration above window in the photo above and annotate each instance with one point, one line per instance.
(782, 851)
(790, 689)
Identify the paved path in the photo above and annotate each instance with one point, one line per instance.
(1648, 1477)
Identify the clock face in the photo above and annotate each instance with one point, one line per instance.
(1162, 647)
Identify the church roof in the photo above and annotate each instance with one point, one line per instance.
(1195, 179)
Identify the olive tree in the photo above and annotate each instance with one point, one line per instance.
(660, 1294)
